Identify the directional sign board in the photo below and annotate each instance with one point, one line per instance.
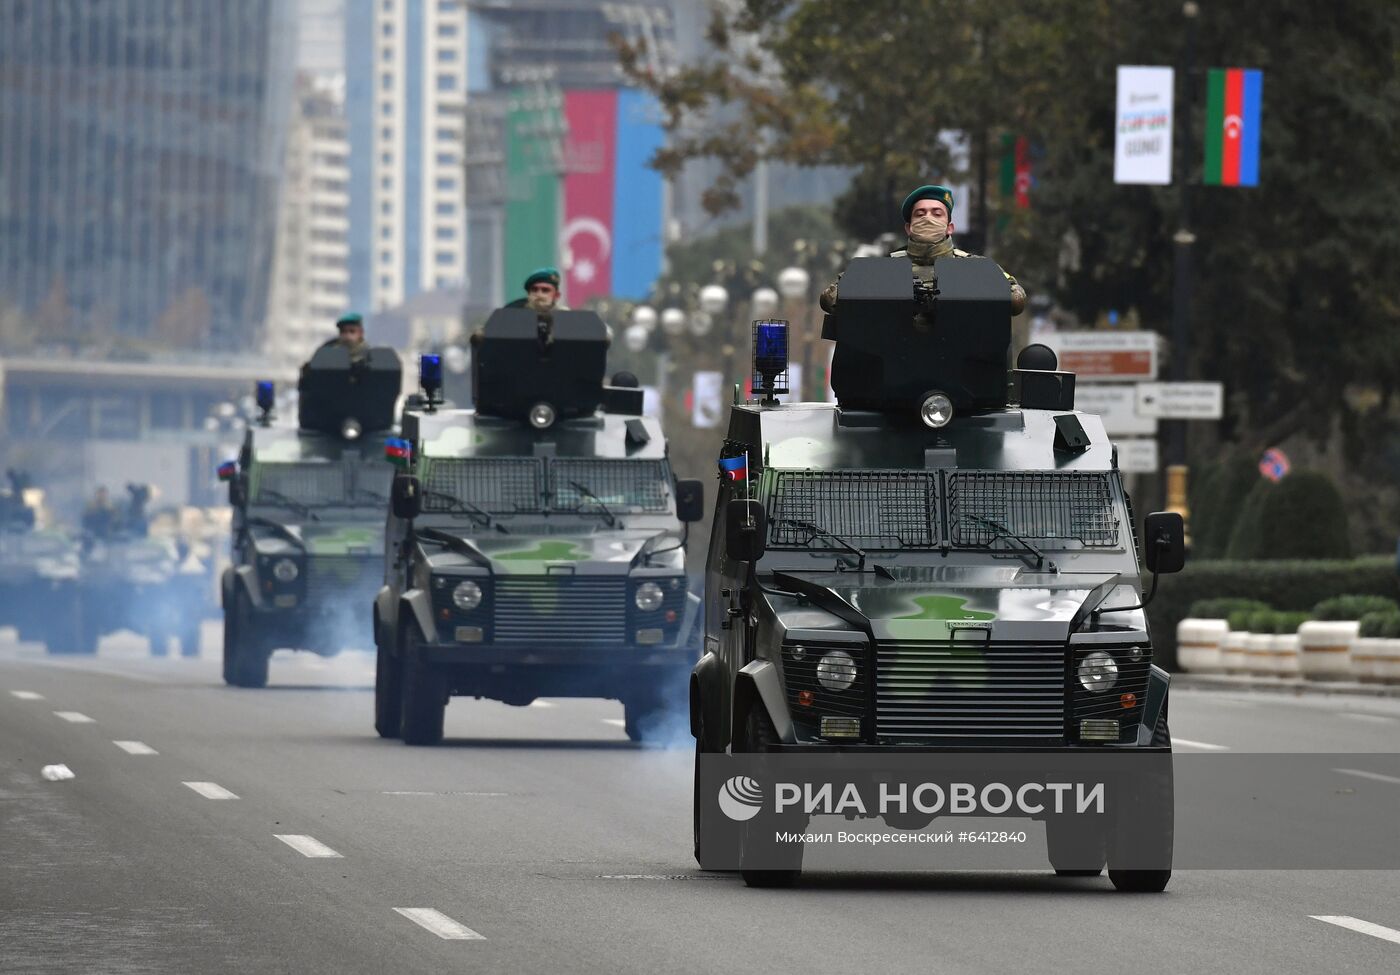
(1137, 456)
(1181, 401)
(1098, 355)
(1116, 405)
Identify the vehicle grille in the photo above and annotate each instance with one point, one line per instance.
(340, 581)
(970, 690)
(560, 610)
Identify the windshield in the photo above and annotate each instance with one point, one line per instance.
(317, 484)
(900, 509)
(516, 485)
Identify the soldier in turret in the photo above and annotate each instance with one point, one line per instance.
(541, 291)
(351, 334)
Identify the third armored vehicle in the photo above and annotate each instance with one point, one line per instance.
(536, 545)
(308, 524)
(937, 564)
(38, 574)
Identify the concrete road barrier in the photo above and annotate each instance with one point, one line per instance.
(1324, 649)
(1284, 654)
(1233, 649)
(1198, 645)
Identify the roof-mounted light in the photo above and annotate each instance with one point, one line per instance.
(770, 358)
(936, 410)
(351, 429)
(266, 398)
(430, 377)
(542, 416)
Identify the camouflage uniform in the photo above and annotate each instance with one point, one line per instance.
(923, 256)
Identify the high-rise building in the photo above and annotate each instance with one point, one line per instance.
(311, 270)
(140, 142)
(406, 83)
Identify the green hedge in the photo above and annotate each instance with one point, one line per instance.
(1220, 607)
(1382, 624)
(1353, 607)
(1293, 585)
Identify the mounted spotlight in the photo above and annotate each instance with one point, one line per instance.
(266, 399)
(542, 416)
(351, 429)
(430, 378)
(936, 410)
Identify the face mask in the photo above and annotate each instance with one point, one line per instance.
(539, 301)
(927, 228)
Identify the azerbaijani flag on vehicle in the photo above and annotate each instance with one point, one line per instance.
(398, 451)
(227, 470)
(735, 468)
(1234, 103)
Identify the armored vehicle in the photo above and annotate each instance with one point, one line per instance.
(309, 500)
(536, 546)
(131, 580)
(38, 574)
(943, 561)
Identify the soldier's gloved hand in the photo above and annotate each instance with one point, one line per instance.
(1018, 300)
(828, 297)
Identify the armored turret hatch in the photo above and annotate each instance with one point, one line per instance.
(543, 367)
(898, 341)
(348, 397)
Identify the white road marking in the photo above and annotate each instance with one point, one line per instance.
(618, 722)
(1203, 745)
(28, 695)
(1362, 773)
(540, 702)
(307, 846)
(56, 773)
(414, 792)
(136, 748)
(1363, 927)
(439, 924)
(1358, 716)
(211, 790)
(77, 717)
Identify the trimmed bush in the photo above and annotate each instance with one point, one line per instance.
(1216, 503)
(1246, 534)
(1220, 607)
(1239, 620)
(1288, 621)
(1380, 624)
(1303, 517)
(1292, 585)
(1259, 621)
(1353, 607)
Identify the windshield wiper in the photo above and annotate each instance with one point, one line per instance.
(448, 540)
(819, 531)
(608, 516)
(1041, 562)
(281, 530)
(277, 497)
(459, 506)
(374, 496)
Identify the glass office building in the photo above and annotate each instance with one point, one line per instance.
(140, 147)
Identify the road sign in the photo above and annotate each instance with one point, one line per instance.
(1137, 456)
(1116, 405)
(1107, 355)
(1275, 464)
(1181, 401)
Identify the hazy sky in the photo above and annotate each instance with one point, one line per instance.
(322, 30)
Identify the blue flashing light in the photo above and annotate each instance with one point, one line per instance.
(770, 348)
(430, 373)
(267, 395)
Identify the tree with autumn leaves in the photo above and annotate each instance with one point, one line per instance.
(1295, 304)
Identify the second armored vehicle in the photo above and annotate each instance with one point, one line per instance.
(38, 575)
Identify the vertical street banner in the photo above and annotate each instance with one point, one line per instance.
(532, 188)
(1142, 149)
(637, 247)
(586, 239)
(1016, 171)
(1234, 107)
(707, 407)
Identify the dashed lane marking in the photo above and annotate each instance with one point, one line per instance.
(77, 717)
(307, 846)
(1376, 718)
(136, 748)
(28, 695)
(1360, 926)
(439, 924)
(1362, 773)
(56, 773)
(1202, 745)
(211, 790)
(416, 792)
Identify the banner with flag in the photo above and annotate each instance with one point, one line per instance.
(1016, 172)
(1234, 104)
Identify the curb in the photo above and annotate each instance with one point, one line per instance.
(1283, 685)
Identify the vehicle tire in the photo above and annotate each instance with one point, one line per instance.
(642, 718)
(189, 640)
(1153, 793)
(758, 736)
(246, 656)
(65, 633)
(1075, 846)
(233, 636)
(423, 697)
(388, 693)
(723, 834)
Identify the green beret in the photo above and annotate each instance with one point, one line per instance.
(352, 318)
(929, 192)
(545, 275)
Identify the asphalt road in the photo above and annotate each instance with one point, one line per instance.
(208, 829)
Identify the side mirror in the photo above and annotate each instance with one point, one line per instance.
(1164, 542)
(745, 530)
(690, 500)
(237, 492)
(406, 497)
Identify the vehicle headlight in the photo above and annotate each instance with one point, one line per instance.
(836, 671)
(1098, 672)
(285, 570)
(466, 595)
(648, 597)
(936, 410)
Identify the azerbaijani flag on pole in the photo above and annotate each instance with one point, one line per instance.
(1234, 103)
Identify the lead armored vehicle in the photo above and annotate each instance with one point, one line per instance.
(942, 562)
(536, 544)
(38, 574)
(308, 522)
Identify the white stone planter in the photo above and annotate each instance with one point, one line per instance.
(1285, 654)
(1259, 653)
(1198, 645)
(1366, 654)
(1324, 649)
(1233, 650)
(1388, 666)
